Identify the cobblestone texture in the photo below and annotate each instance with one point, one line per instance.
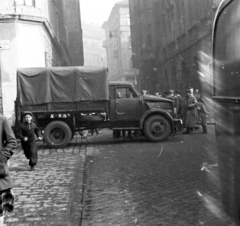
(126, 182)
(136, 182)
(52, 194)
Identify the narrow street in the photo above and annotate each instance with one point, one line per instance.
(136, 182)
(101, 181)
(71, 68)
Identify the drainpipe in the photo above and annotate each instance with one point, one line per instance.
(15, 6)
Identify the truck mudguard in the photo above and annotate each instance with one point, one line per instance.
(155, 112)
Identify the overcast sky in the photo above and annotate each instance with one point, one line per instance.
(96, 11)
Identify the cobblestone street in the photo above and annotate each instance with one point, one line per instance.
(150, 184)
(52, 194)
(106, 181)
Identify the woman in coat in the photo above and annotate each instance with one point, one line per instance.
(8, 144)
(189, 112)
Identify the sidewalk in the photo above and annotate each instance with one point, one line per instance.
(52, 194)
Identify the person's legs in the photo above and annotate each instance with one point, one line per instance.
(25, 147)
(129, 133)
(204, 123)
(33, 156)
(115, 134)
(187, 130)
(92, 131)
(118, 133)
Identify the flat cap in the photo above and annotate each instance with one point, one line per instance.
(27, 113)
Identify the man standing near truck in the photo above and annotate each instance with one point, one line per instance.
(189, 112)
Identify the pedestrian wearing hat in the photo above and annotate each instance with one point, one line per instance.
(8, 143)
(27, 132)
(189, 112)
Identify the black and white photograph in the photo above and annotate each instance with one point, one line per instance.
(120, 112)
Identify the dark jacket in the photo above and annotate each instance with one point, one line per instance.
(28, 130)
(8, 143)
(202, 109)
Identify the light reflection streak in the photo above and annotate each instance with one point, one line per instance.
(206, 78)
(209, 168)
(213, 206)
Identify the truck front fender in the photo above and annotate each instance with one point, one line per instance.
(155, 111)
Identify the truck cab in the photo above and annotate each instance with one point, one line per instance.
(129, 109)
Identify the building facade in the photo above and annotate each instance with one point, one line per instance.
(118, 44)
(167, 37)
(36, 33)
(94, 53)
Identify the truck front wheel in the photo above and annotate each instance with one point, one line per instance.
(57, 134)
(157, 128)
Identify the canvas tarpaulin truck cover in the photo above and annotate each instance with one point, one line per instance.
(61, 84)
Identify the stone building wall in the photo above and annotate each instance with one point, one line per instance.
(167, 36)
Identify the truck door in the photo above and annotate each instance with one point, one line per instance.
(127, 104)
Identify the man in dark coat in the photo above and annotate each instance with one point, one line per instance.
(179, 106)
(8, 143)
(203, 113)
(189, 112)
(27, 132)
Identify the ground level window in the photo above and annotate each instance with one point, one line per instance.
(27, 2)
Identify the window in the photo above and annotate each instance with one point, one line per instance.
(125, 93)
(111, 92)
(27, 2)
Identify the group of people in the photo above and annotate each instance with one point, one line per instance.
(190, 109)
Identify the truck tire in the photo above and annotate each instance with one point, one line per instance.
(157, 128)
(57, 134)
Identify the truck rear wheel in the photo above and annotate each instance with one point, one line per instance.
(157, 128)
(57, 134)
